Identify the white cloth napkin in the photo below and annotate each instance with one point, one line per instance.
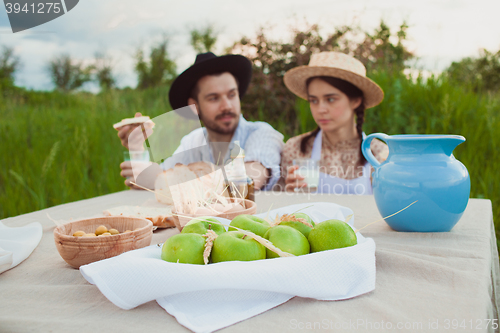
(16, 244)
(211, 297)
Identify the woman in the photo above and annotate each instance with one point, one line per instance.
(338, 92)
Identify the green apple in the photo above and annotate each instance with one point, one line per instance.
(287, 239)
(200, 225)
(331, 234)
(251, 223)
(184, 248)
(304, 229)
(235, 245)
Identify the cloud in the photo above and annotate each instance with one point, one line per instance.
(438, 30)
(115, 22)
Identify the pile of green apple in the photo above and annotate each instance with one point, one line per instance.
(250, 237)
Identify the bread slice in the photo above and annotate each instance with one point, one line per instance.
(201, 168)
(201, 177)
(178, 175)
(135, 120)
(161, 217)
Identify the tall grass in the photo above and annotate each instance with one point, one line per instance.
(437, 106)
(58, 148)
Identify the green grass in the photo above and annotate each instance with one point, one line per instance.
(59, 148)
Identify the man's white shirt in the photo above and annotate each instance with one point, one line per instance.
(260, 141)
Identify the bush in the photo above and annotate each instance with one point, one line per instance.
(103, 71)
(9, 64)
(160, 70)
(68, 74)
(481, 74)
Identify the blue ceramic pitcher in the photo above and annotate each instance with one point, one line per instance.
(423, 168)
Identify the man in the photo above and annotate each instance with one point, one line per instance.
(214, 85)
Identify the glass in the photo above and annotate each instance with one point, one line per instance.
(139, 161)
(309, 169)
(238, 189)
(140, 156)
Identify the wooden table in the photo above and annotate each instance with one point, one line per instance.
(426, 282)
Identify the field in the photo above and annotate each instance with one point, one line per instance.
(58, 148)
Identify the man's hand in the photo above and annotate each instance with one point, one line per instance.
(133, 140)
(146, 177)
(128, 174)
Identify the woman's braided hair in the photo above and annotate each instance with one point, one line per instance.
(352, 92)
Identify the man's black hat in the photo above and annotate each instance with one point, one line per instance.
(205, 64)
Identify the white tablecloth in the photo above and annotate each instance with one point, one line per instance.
(425, 282)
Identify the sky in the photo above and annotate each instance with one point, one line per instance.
(439, 31)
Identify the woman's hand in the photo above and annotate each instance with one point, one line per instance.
(292, 180)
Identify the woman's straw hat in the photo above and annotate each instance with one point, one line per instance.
(335, 64)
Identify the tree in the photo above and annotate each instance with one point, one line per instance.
(378, 52)
(104, 71)
(9, 64)
(68, 74)
(160, 70)
(272, 58)
(203, 40)
(482, 73)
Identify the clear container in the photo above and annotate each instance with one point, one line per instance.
(309, 169)
(238, 182)
(244, 188)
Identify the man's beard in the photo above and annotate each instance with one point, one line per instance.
(214, 127)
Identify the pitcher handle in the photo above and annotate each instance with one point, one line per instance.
(367, 152)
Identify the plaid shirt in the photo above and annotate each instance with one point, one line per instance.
(260, 141)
